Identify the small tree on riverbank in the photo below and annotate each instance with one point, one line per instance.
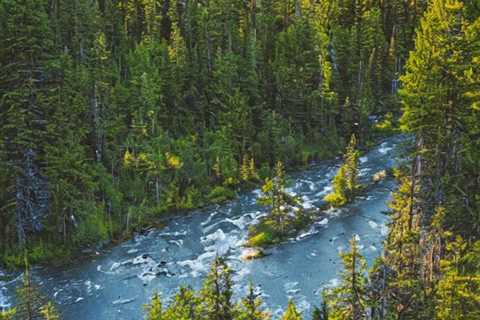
(345, 184)
(274, 195)
(286, 212)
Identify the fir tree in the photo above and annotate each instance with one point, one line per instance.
(30, 301)
(250, 307)
(345, 185)
(291, 313)
(458, 291)
(216, 294)
(49, 312)
(186, 306)
(154, 308)
(348, 301)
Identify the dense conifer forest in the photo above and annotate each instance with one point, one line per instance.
(114, 114)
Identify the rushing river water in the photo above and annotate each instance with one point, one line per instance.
(117, 283)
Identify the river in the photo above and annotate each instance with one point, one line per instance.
(116, 284)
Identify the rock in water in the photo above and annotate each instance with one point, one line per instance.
(379, 176)
(252, 253)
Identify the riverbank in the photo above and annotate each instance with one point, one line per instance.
(43, 252)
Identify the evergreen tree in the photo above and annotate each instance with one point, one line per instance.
(274, 195)
(30, 301)
(437, 107)
(321, 314)
(250, 307)
(458, 291)
(402, 257)
(184, 307)
(291, 313)
(216, 294)
(154, 308)
(49, 312)
(348, 300)
(26, 51)
(345, 185)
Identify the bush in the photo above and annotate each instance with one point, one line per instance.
(220, 194)
(262, 239)
(92, 227)
(37, 252)
(336, 199)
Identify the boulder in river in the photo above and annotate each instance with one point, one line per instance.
(379, 176)
(252, 253)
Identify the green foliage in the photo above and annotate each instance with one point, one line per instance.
(345, 185)
(49, 312)
(93, 226)
(348, 300)
(213, 301)
(459, 287)
(37, 253)
(184, 306)
(154, 308)
(31, 302)
(216, 293)
(261, 239)
(291, 313)
(220, 194)
(7, 315)
(138, 108)
(286, 215)
(250, 307)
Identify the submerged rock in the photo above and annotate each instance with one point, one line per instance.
(123, 301)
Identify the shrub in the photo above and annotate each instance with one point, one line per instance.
(220, 194)
(262, 239)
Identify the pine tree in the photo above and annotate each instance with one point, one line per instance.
(345, 185)
(154, 308)
(402, 249)
(216, 294)
(291, 313)
(49, 312)
(458, 291)
(320, 314)
(348, 300)
(184, 307)
(436, 105)
(273, 194)
(250, 307)
(25, 52)
(30, 300)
